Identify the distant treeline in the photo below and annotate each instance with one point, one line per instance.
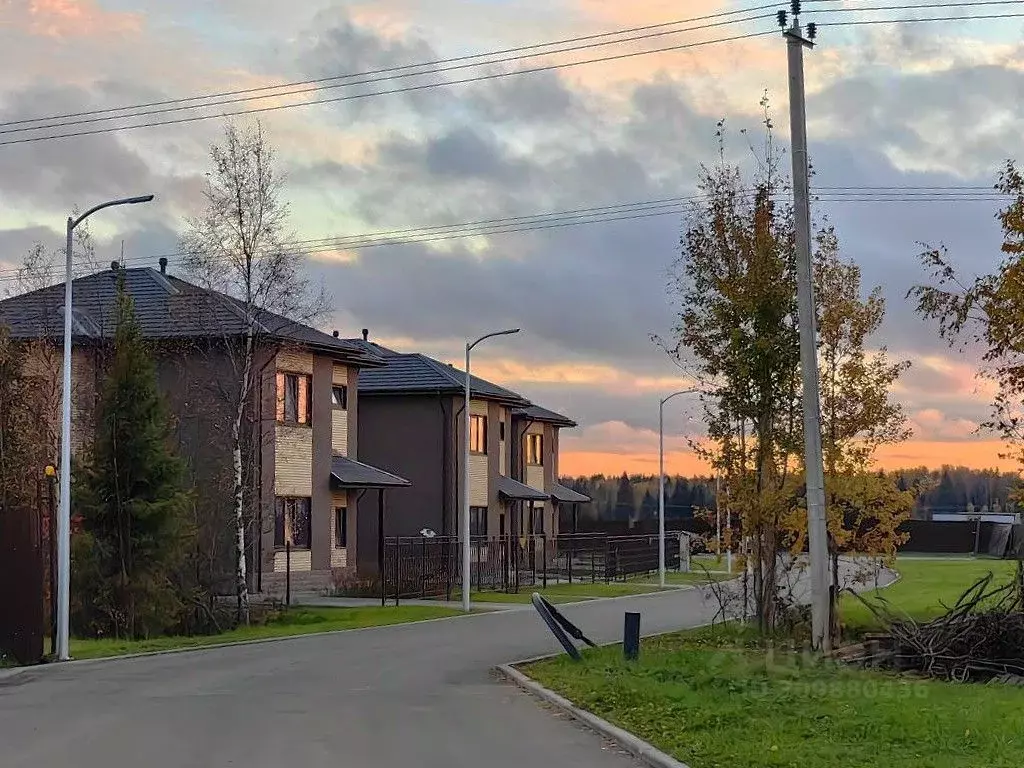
(635, 497)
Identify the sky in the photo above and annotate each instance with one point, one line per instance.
(890, 105)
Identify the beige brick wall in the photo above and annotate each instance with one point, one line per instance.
(302, 560)
(535, 477)
(339, 555)
(478, 485)
(293, 461)
(478, 466)
(295, 361)
(339, 418)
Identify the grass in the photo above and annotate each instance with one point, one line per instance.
(563, 592)
(712, 699)
(296, 621)
(694, 577)
(923, 587)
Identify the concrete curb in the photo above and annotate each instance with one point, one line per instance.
(637, 747)
(73, 663)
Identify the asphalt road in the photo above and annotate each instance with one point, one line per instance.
(414, 695)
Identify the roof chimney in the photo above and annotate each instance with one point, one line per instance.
(163, 265)
(114, 266)
(366, 334)
(336, 334)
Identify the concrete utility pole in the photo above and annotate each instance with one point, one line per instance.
(813, 462)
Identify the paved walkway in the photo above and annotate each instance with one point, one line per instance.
(411, 695)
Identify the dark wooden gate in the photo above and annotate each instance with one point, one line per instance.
(21, 585)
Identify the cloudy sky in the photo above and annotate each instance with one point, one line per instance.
(889, 105)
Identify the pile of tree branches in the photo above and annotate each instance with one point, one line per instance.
(979, 638)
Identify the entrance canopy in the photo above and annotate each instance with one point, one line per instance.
(348, 473)
(564, 495)
(513, 490)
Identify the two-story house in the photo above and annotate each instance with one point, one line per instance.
(535, 462)
(302, 474)
(412, 423)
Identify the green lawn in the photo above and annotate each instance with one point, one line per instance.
(564, 592)
(922, 588)
(696, 576)
(715, 702)
(296, 621)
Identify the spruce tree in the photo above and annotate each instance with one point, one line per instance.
(133, 500)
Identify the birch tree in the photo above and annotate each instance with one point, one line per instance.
(237, 248)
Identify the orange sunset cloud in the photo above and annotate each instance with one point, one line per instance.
(976, 454)
(71, 18)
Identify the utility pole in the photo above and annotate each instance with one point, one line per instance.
(817, 529)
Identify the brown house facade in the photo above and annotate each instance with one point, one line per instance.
(302, 475)
(412, 424)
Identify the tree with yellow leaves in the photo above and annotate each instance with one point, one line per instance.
(988, 311)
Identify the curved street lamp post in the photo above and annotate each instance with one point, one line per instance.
(64, 513)
(661, 480)
(465, 472)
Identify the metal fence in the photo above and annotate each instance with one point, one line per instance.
(420, 567)
(21, 584)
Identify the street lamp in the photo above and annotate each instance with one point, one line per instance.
(465, 472)
(661, 480)
(64, 514)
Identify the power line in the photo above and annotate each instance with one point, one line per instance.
(195, 118)
(392, 73)
(862, 22)
(595, 215)
(405, 67)
(920, 6)
(366, 81)
(406, 89)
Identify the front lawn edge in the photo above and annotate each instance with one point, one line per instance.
(640, 749)
(8, 673)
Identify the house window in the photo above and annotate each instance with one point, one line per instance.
(537, 521)
(477, 434)
(535, 449)
(294, 398)
(340, 527)
(478, 521)
(291, 522)
(501, 430)
(339, 397)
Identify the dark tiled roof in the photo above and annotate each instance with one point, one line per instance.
(166, 308)
(513, 489)
(536, 413)
(415, 373)
(568, 496)
(349, 473)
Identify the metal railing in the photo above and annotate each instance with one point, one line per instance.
(421, 567)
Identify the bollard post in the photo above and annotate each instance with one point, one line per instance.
(423, 569)
(287, 573)
(631, 637)
(544, 563)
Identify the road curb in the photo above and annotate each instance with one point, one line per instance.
(640, 749)
(74, 663)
